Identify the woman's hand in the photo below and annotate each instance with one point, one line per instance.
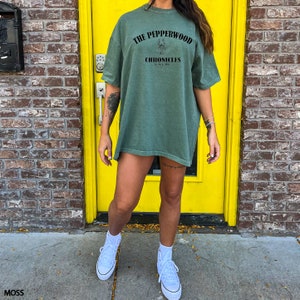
(105, 149)
(214, 146)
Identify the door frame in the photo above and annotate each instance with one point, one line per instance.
(235, 98)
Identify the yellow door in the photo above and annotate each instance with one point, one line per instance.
(204, 189)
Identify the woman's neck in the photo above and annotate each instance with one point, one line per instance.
(163, 4)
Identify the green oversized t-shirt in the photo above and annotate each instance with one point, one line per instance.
(156, 58)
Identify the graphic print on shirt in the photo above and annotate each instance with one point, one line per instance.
(163, 38)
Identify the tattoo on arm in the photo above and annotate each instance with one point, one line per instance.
(113, 103)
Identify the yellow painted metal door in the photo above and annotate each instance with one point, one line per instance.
(204, 184)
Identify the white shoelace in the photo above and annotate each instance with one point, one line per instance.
(169, 272)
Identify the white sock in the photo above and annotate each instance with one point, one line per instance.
(165, 252)
(114, 240)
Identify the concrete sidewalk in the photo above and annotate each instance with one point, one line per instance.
(212, 266)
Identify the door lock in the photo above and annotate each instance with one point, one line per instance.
(100, 92)
(100, 60)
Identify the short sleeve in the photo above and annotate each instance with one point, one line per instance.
(114, 58)
(204, 71)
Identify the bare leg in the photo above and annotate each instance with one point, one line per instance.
(172, 178)
(132, 170)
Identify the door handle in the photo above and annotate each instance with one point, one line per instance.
(100, 91)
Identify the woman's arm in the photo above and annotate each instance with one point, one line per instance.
(204, 102)
(111, 103)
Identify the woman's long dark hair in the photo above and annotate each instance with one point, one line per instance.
(191, 10)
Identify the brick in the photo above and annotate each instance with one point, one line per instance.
(73, 81)
(21, 184)
(267, 165)
(33, 26)
(71, 59)
(62, 48)
(292, 227)
(263, 47)
(52, 184)
(285, 176)
(69, 14)
(33, 134)
(63, 71)
(29, 3)
(254, 196)
(251, 176)
(255, 58)
(295, 167)
(287, 197)
(66, 154)
(293, 207)
(19, 164)
(44, 14)
(294, 188)
(36, 194)
(46, 59)
(284, 156)
(70, 37)
(48, 144)
(266, 25)
(278, 81)
(261, 155)
(4, 195)
(76, 185)
(291, 25)
(255, 36)
(8, 174)
(31, 92)
(8, 134)
(271, 187)
(67, 194)
(283, 12)
(261, 92)
(51, 164)
(16, 103)
(35, 71)
(34, 174)
(70, 134)
(49, 123)
(263, 71)
(68, 25)
(269, 227)
(7, 92)
(284, 217)
(273, 145)
(269, 206)
(279, 59)
(9, 123)
(266, 2)
(17, 144)
(257, 13)
(4, 154)
(62, 4)
(64, 92)
(258, 135)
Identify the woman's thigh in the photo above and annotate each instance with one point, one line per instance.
(172, 178)
(132, 170)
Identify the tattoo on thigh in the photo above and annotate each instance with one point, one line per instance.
(173, 167)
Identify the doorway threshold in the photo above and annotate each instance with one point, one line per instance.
(199, 223)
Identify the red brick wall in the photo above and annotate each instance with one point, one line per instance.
(40, 119)
(270, 177)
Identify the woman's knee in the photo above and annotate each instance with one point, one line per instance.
(171, 195)
(122, 207)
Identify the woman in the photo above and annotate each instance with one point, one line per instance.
(160, 68)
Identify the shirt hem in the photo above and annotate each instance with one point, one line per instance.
(153, 153)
